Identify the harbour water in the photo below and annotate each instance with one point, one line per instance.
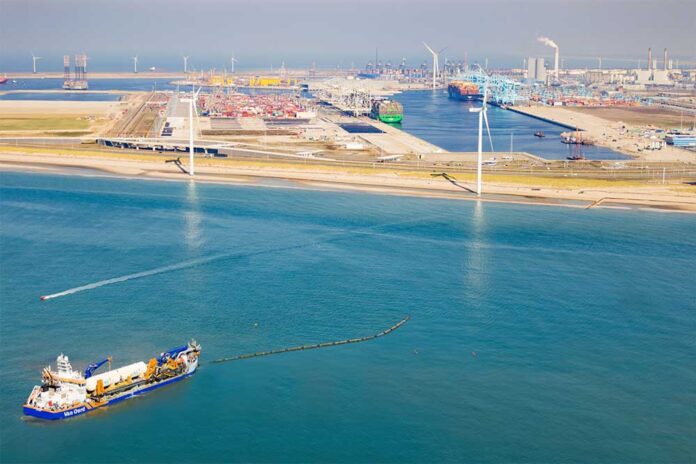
(133, 85)
(61, 96)
(433, 116)
(538, 334)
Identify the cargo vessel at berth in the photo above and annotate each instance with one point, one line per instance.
(388, 111)
(465, 91)
(66, 392)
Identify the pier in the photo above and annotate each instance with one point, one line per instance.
(542, 118)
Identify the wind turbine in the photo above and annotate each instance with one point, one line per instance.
(34, 59)
(483, 115)
(192, 106)
(135, 64)
(436, 62)
(233, 60)
(185, 64)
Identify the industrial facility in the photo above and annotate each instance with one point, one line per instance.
(77, 80)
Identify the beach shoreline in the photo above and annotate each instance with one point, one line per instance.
(335, 179)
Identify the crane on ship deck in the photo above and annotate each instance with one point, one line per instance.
(89, 371)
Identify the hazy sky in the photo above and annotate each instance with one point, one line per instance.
(339, 31)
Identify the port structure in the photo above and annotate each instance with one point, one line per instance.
(78, 80)
(501, 90)
(356, 101)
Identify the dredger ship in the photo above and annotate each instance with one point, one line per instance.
(66, 392)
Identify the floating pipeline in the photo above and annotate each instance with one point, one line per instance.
(314, 346)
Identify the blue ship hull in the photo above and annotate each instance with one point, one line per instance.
(463, 97)
(84, 408)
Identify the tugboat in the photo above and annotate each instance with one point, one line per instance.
(66, 392)
(539, 134)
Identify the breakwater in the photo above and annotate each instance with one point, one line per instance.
(541, 118)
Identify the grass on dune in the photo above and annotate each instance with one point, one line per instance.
(49, 123)
(568, 183)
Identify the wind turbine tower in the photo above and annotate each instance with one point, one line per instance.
(135, 64)
(483, 116)
(436, 62)
(34, 59)
(192, 108)
(185, 64)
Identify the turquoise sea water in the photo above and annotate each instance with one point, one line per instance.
(538, 334)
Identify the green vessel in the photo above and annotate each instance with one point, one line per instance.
(388, 111)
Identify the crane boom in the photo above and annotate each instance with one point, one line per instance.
(94, 366)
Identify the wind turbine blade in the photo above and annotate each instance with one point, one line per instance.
(488, 128)
(443, 49)
(429, 49)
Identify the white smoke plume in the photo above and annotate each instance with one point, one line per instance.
(547, 41)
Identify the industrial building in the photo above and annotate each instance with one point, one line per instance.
(653, 75)
(536, 69)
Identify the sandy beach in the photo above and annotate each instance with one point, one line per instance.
(416, 183)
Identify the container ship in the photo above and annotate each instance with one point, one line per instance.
(465, 91)
(66, 392)
(388, 111)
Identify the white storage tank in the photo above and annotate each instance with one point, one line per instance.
(132, 370)
(107, 378)
(117, 375)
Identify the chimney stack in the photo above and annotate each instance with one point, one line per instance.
(665, 59)
(649, 59)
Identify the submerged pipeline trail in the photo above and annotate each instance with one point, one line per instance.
(314, 346)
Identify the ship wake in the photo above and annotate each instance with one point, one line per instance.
(335, 236)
